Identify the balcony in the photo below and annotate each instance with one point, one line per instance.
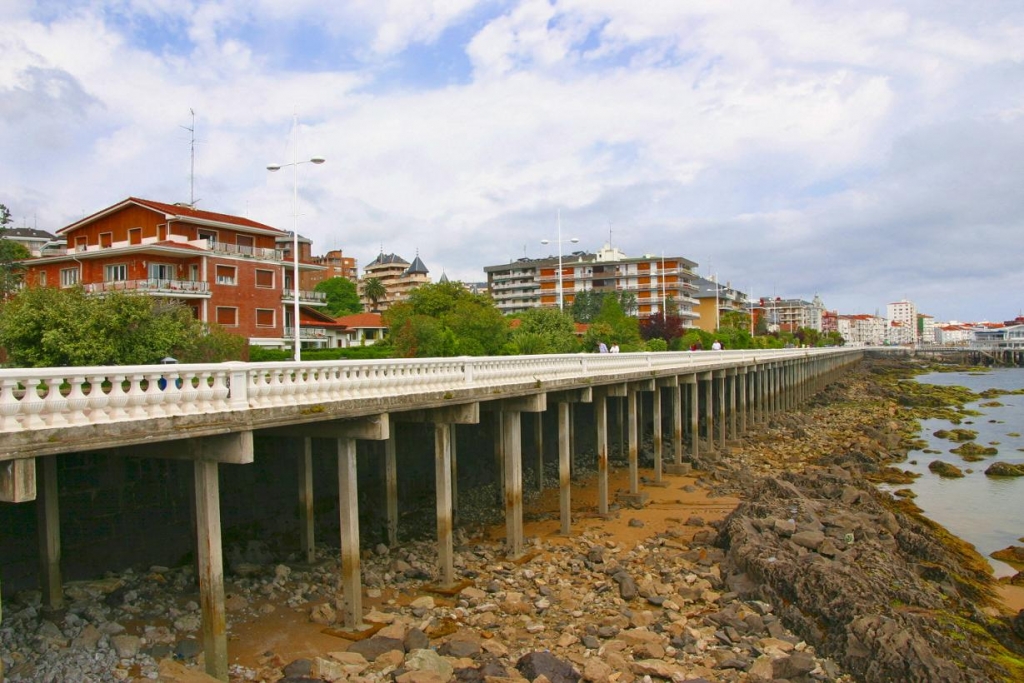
(188, 289)
(258, 253)
(307, 333)
(312, 298)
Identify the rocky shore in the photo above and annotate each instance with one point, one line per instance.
(779, 560)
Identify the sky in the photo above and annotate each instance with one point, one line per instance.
(864, 151)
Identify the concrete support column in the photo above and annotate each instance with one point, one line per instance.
(694, 392)
(443, 489)
(742, 382)
(720, 391)
(572, 439)
(307, 531)
(391, 483)
(350, 602)
(677, 424)
(657, 437)
(454, 469)
(634, 446)
(48, 524)
(709, 410)
(512, 440)
(211, 568)
(732, 379)
(564, 488)
(499, 454)
(601, 418)
(538, 440)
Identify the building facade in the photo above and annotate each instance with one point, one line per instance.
(902, 316)
(654, 280)
(714, 299)
(227, 269)
(861, 329)
(398, 277)
(789, 315)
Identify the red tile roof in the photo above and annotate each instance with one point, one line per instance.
(178, 210)
(361, 320)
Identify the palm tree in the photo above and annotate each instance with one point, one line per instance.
(374, 290)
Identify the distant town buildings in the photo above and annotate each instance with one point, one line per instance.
(38, 242)
(533, 283)
(788, 315)
(902, 317)
(714, 299)
(398, 277)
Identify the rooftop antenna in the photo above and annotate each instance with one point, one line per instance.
(192, 168)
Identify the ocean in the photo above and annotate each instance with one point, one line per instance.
(987, 512)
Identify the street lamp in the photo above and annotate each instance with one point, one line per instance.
(295, 231)
(574, 240)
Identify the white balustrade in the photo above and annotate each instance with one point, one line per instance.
(55, 398)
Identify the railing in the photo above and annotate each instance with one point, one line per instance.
(308, 297)
(47, 398)
(306, 332)
(259, 253)
(151, 286)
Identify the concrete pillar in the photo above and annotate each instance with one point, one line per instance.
(211, 568)
(572, 439)
(691, 380)
(499, 454)
(564, 487)
(731, 380)
(443, 488)
(709, 410)
(391, 483)
(48, 524)
(512, 439)
(538, 440)
(720, 391)
(454, 468)
(744, 380)
(677, 424)
(657, 436)
(601, 418)
(307, 532)
(350, 602)
(634, 446)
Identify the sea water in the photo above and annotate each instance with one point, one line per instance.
(987, 512)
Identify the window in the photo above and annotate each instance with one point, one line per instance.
(265, 279)
(208, 235)
(265, 317)
(227, 316)
(226, 275)
(81, 243)
(42, 278)
(106, 240)
(116, 272)
(161, 271)
(68, 277)
(244, 240)
(135, 235)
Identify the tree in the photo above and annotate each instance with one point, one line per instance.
(585, 306)
(543, 330)
(623, 330)
(342, 296)
(12, 271)
(375, 291)
(661, 326)
(446, 319)
(51, 327)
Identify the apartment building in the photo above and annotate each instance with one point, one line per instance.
(398, 276)
(714, 299)
(226, 268)
(534, 283)
(861, 329)
(789, 315)
(902, 316)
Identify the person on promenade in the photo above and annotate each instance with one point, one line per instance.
(615, 348)
(717, 346)
(601, 348)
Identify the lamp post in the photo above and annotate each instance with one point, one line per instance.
(561, 303)
(295, 231)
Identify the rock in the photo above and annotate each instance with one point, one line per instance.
(793, 666)
(126, 646)
(808, 539)
(323, 614)
(1004, 469)
(627, 586)
(944, 469)
(299, 667)
(459, 648)
(415, 639)
(187, 649)
(596, 670)
(428, 660)
(1018, 624)
(1013, 555)
(88, 639)
(373, 647)
(534, 664)
(170, 671)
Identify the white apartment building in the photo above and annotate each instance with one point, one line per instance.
(862, 329)
(953, 335)
(902, 317)
(925, 328)
(533, 283)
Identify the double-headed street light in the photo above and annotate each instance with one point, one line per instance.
(561, 303)
(295, 232)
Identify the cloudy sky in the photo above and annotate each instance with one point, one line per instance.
(864, 151)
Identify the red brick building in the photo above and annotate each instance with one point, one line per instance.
(226, 268)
